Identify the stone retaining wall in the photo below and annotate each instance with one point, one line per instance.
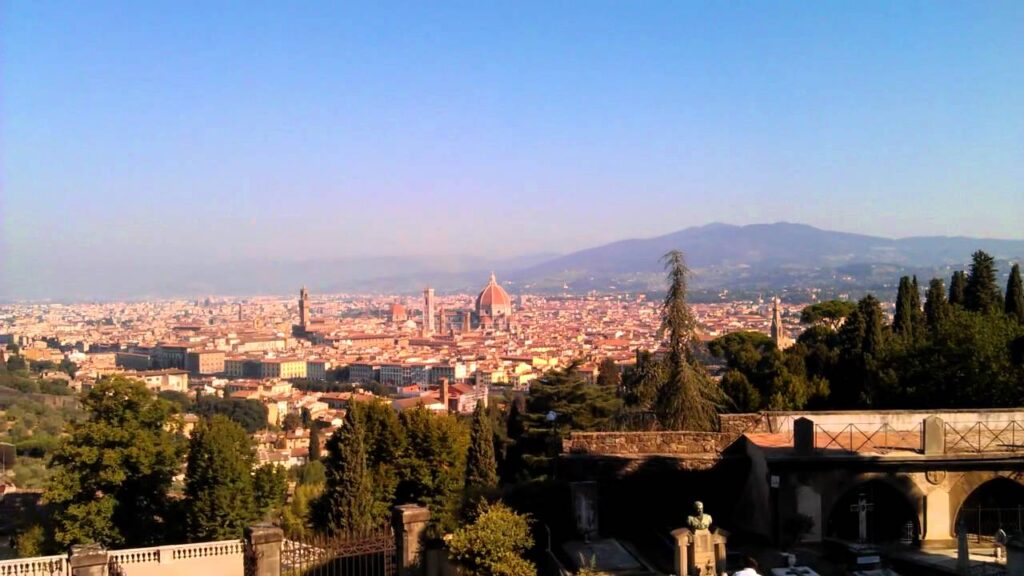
(646, 443)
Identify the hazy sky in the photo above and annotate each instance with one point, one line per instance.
(218, 130)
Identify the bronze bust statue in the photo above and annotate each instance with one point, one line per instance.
(699, 520)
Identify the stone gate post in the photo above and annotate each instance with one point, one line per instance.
(263, 550)
(409, 522)
(88, 560)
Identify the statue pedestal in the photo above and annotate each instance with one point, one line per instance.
(699, 552)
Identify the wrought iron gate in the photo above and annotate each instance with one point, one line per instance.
(370, 554)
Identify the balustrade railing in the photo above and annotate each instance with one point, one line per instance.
(39, 566)
(164, 554)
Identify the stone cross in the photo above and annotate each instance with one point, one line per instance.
(862, 507)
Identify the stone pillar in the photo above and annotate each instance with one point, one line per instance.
(88, 560)
(803, 436)
(933, 438)
(683, 540)
(263, 550)
(409, 521)
(937, 532)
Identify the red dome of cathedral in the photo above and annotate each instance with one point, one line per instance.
(493, 300)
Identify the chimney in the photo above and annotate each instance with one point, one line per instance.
(444, 392)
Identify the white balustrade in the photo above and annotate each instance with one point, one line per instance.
(38, 566)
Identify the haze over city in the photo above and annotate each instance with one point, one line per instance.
(148, 136)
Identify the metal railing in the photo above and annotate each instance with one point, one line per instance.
(873, 438)
(981, 522)
(1006, 436)
(369, 554)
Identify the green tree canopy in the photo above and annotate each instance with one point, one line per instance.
(830, 313)
(494, 544)
(112, 473)
(346, 505)
(982, 293)
(270, 488)
(481, 466)
(608, 375)
(219, 497)
(958, 289)
(1015, 295)
(936, 308)
(432, 470)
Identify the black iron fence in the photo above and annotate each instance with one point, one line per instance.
(982, 523)
(369, 554)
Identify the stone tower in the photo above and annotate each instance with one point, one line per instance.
(428, 311)
(303, 308)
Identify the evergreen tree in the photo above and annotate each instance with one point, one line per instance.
(916, 312)
(641, 382)
(112, 473)
(385, 445)
(903, 319)
(219, 497)
(314, 441)
(861, 341)
(481, 467)
(982, 294)
(689, 399)
(608, 374)
(432, 470)
(958, 289)
(346, 505)
(1015, 295)
(936, 309)
(576, 405)
(270, 487)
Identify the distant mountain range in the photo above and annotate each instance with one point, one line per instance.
(766, 256)
(754, 258)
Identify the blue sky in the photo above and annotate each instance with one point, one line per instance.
(222, 130)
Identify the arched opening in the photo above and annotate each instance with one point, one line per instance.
(996, 504)
(886, 513)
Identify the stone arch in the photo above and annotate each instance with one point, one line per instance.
(898, 495)
(975, 485)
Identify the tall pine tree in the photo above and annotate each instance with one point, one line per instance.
(916, 312)
(982, 294)
(936, 309)
(689, 399)
(958, 289)
(346, 505)
(1015, 295)
(481, 467)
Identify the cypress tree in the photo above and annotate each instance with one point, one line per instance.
(903, 321)
(689, 399)
(220, 500)
(314, 441)
(481, 467)
(935, 306)
(1015, 295)
(982, 294)
(958, 289)
(346, 505)
(916, 313)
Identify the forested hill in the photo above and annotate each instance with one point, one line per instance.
(768, 255)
